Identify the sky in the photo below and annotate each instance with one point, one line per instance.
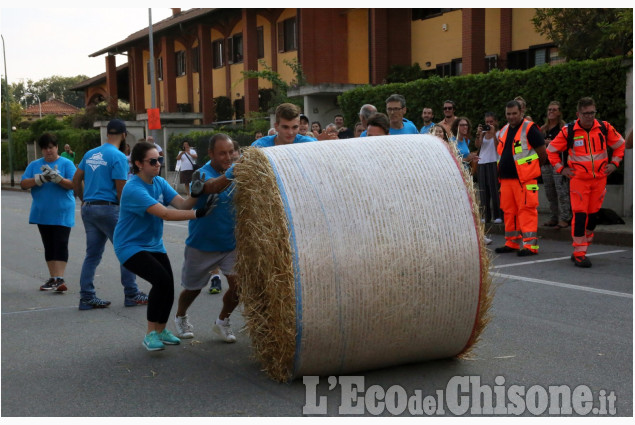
(40, 43)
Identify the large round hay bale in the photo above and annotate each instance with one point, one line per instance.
(359, 254)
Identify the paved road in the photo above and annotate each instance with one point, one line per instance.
(553, 324)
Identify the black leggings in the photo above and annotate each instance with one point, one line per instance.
(155, 268)
(55, 240)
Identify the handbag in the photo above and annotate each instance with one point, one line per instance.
(194, 166)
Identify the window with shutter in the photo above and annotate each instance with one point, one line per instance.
(179, 62)
(260, 38)
(217, 54)
(280, 36)
(230, 50)
(160, 69)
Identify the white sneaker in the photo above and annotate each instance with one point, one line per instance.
(183, 327)
(222, 328)
(498, 221)
(487, 240)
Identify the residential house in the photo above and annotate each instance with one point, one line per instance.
(200, 54)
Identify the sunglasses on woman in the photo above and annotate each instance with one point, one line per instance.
(152, 161)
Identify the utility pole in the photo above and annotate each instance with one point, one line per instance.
(153, 85)
(152, 81)
(8, 109)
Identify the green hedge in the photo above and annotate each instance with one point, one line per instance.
(20, 139)
(604, 80)
(80, 141)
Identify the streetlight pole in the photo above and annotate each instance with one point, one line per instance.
(8, 105)
(151, 41)
(153, 87)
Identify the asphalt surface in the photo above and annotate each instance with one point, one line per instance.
(553, 324)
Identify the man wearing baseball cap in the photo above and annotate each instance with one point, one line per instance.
(98, 183)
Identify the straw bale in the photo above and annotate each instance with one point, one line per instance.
(359, 254)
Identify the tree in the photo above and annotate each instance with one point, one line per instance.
(14, 108)
(59, 86)
(55, 85)
(280, 87)
(587, 33)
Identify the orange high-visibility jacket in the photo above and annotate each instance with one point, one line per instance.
(525, 157)
(588, 155)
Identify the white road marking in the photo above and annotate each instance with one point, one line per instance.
(554, 259)
(564, 285)
(35, 310)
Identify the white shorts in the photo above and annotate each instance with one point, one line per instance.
(199, 264)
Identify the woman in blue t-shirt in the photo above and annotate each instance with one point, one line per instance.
(138, 238)
(50, 179)
(462, 127)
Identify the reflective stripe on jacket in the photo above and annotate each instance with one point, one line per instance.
(525, 157)
(588, 155)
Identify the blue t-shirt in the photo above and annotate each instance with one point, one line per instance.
(101, 167)
(214, 232)
(268, 141)
(426, 128)
(462, 146)
(408, 128)
(52, 204)
(137, 230)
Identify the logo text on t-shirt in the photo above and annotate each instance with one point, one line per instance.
(96, 160)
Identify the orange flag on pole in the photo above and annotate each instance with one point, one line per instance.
(154, 120)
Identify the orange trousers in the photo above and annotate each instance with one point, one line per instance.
(587, 196)
(519, 202)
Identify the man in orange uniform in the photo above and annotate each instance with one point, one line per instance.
(521, 148)
(587, 168)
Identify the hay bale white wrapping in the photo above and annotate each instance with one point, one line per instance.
(385, 245)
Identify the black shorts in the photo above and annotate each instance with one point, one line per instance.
(186, 176)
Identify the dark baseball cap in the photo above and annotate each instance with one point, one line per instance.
(116, 126)
(304, 118)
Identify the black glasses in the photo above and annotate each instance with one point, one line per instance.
(391, 110)
(448, 108)
(152, 161)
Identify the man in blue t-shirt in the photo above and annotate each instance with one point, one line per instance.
(287, 126)
(210, 245)
(427, 115)
(396, 109)
(365, 112)
(98, 182)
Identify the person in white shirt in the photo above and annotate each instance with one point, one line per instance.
(187, 156)
(486, 139)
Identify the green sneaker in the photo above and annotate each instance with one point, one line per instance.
(152, 342)
(168, 337)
